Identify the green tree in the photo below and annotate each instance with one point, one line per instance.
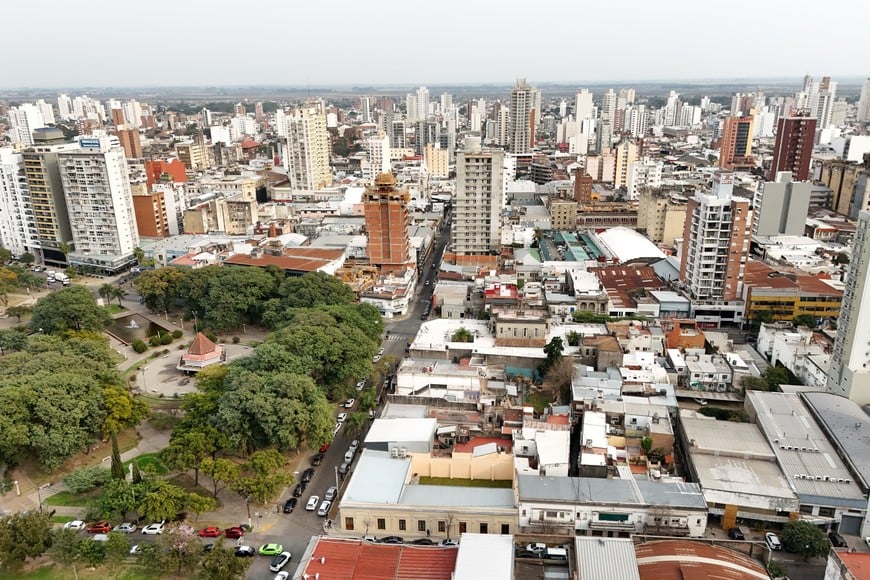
(117, 464)
(119, 293)
(355, 423)
(19, 311)
(199, 504)
(222, 472)
(122, 410)
(462, 334)
(315, 289)
(368, 399)
(26, 258)
(804, 538)
(553, 350)
(86, 478)
(118, 498)
(106, 291)
(136, 475)
(752, 383)
(222, 563)
(70, 308)
(264, 476)
(117, 548)
(161, 500)
(187, 449)
(159, 288)
(646, 444)
(8, 284)
(91, 552)
(805, 320)
(65, 546)
(12, 339)
(23, 535)
(573, 338)
(5, 255)
(182, 548)
(139, 254)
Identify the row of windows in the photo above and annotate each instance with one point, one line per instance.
(423, 526)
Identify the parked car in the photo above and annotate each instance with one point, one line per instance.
(283, 575)
(423, 542)
(290, 505)
(279, 561)
(210, 532)
(376, 358)
(449, 542)
(102, 527)
(348, 456)
(381, 351)
(126, 528)
(317, 459)
(354, 445)
(74, 525)
(323, 510)
(348, 404)
(135, 550)
(312, 503)
(391, 540)
(234, 532)
(154, 529)
(307, 475)
(344, 468)
(736, 534)
(772, 541)
(324, 448)
(527, 554)
(299, 489)
(837, 540)
(271, 549)
(336, 429)
(361, 385)
(244, 551)
(342, 417)
(331, 493)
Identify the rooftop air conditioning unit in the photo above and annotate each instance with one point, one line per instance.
(403, 452)
(394, 452)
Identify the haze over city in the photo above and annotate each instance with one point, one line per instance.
(93, 43)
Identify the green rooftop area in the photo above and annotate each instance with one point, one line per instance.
(457, 482)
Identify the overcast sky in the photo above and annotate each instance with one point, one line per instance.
(55, 43)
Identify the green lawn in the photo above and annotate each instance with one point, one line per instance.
(123, 572)
(148, 463)
(499, 483)
(66, 499)
(114, 308)
(62, 519)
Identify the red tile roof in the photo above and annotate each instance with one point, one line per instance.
(857, 563)
(620, 282)
(687, 560)
(350, 559)
(297, 259)
(478, 441)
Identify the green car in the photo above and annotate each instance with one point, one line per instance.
(271, 549)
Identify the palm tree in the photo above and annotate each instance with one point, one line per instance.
(119, 293)
(106, 291)
(355, 423)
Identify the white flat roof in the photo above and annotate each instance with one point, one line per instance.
(402, 429)
(484, 557)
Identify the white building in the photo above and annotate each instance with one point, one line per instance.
(17, 227)
(644, 173)
(522, 109)
(23, 121)
(378, 147)
(99, 200)
(306, 154)
(864, 102)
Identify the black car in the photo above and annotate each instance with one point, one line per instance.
(299, 490)
(317, 459)
(289, 505)
(208, 548)
(736, 534)
(307, 475)
(837, 540)
(423, 542)
(391, 540)
(244, 552)
(528, 554)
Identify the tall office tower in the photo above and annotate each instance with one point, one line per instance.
(378, 147)
(259, 113)
(47, 112)
(735, 150)
(386, 217)
(17, 227)
(671, 109)
(849, 374)
(307, 151)
(195, 156)
(239, 109)
(605, 136)
(637, 121)
(130, 142)
(64, 107)
(794, 147)
(864, 102)
(818, 98)
(626, 154)
(366, 109)
(716, 242)
(446, 103)
(742, 104)
(781, 206)
(422, 103)
(46, 192)
(502, 126)
(397, 134)
(583, 105)
(24, 120)
(96, 187)
(608, 106)
(205, 117)
(522, 117)
(132, 114)
(563, 109)
(478, 201)
(474, 118)
(411, 113)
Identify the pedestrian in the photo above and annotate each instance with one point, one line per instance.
(428, 533)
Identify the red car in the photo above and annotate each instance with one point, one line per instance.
(210, 532)
(99, 528)
(324, 448)
(234, 532)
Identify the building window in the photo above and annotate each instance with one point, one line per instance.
(505, 529)
(463, 527)
(442, 526)
(484, 529)
(421, 525)
(402, 525)
(382, 524)
(348, 523)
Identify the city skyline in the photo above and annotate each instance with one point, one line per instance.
(460, 43)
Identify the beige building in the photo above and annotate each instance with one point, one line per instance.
(195, 156)
(519, 326)
(662, 216)
(626, 154)
(306, 155)
(563, 214)
(437, 161)
(388, 495)
(230, 215)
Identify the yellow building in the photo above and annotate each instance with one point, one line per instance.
(662, 216)
(437, 161)
(787, 295)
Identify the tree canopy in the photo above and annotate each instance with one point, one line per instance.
(805, 539)
(70, 308)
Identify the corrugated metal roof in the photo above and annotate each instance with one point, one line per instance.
(611, 558)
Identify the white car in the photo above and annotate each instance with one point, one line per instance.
(136, 550)
(342, 417)
(279, 561)
(381, 351)
(126, 527)
(376, 358)
(154, 529)
(361, 385)
(312, 503)
(336, 429)
(324, 508)
(283, 575)
(354, 445)
(74, 525)
(348, 404)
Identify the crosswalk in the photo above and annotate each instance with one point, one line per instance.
(399, 337)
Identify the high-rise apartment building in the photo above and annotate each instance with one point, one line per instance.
(386, 218)
(46, 193)
(422, 103)
(849, 374)
(794, 147)
(96, 186)
(735, 149)
(24, 120)
(583, 107)
(306, 155)
(478, 201)
(626, 154)
(716, 242)
(195, 156)
(781, 206)
(864, 102)
(17, 227)
(130, 142)
(522, 117)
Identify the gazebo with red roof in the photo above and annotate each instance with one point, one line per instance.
(202, 353)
